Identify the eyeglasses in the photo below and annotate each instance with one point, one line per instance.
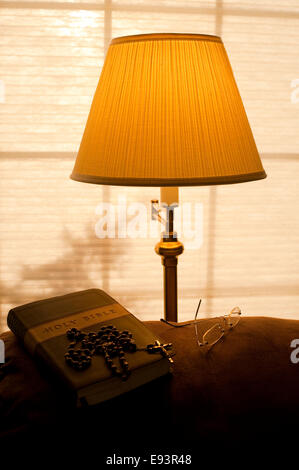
(217, 331)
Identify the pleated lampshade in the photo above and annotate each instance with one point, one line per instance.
(167, 112)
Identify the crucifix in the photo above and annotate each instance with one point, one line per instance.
(157, 347)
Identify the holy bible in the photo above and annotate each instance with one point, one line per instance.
(43, 327)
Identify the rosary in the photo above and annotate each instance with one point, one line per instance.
(112, 344)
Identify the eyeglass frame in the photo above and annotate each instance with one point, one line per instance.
(224, 318)
(225, 326)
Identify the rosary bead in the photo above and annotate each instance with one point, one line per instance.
(73, 332)
(132, 346)
(108, 341)
(67, 356)
(150, 348)
(70, 334)
(79, 336)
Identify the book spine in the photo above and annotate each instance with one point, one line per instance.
(15, 325)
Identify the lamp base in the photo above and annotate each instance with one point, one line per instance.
(169, 250)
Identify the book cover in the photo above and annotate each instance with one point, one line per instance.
(43, 325)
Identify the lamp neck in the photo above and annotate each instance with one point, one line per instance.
(169, 235)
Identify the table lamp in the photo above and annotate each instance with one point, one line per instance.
(167, 112)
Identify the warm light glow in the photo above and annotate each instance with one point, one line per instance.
(167, 111)
(50, 68)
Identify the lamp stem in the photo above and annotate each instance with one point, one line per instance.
(170, 288)
(169, 248)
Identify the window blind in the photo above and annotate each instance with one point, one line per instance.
(51, 54)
